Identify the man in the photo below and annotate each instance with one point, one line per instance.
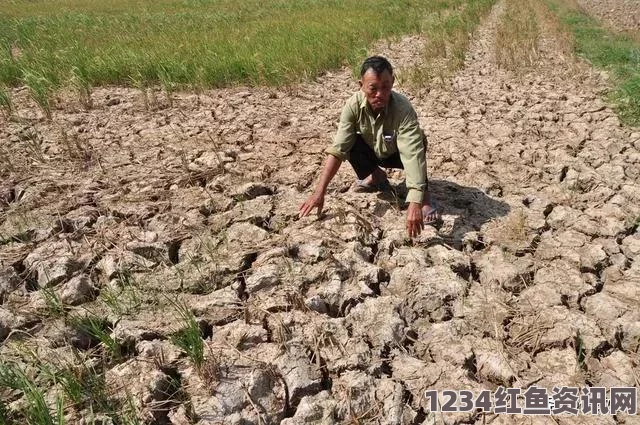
(379, 127)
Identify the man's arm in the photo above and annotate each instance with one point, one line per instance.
(331, 166)
(336, 153)
(413, 156)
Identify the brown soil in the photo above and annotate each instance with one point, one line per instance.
(622, 15)
(532, 276)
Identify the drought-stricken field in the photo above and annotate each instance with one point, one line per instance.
(154, 270)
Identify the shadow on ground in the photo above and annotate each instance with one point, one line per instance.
(463, 208)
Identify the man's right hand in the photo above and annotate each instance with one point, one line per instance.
(315, 200)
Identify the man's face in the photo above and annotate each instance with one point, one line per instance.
(377, 88)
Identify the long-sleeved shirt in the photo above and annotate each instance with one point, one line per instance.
(395, 129)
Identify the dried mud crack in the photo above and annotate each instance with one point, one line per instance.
(532, 276)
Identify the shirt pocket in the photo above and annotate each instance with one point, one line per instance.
(390, 139)
(365, 130)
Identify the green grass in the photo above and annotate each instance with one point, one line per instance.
(40, 88)
(53, 387)
(35, 411)
(192, 42)
(124, 298)
(55, 306)
(82, 384)
(189, 338)
(618, 54)
(98, 329)
(6, 102)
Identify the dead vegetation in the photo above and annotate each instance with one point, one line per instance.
(517, 36)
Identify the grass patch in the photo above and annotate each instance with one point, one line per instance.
(40, 89)
(617, 54)
(99, 331)
(517, 36)
(448, 31)
(83, 385)
(49, 388)
(124, 298)
(6, 101)
(189, 338)
(35, 410)
(189, 43)
(55, 306)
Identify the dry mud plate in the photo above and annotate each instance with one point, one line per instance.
(532, 277)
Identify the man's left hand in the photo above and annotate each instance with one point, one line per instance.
(414, 219)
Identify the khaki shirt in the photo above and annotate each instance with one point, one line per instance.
(399, 123)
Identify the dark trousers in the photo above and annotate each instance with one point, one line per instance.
(364, 160)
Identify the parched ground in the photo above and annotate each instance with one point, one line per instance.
(623, 15)
(531, 278)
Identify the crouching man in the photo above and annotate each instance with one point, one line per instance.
(379, 128)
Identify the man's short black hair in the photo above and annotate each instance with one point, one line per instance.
(378, 63)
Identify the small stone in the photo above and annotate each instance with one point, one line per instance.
(592, 257)
(252, 190)
(108, 266)
(494, 367)
(209, 159)
(557, 365)
(311, 252)
(158, 349)
(9, 281)
(318, 409)
(378, 320)
(604, 307)
(627, 328)
(246, 233)
(617, 371)
(317, 304)
(302, 377)
(216, 203)
(263, 277)
(7, 323)
(53, 263)
(562, 216)
(631, 246)
(83, 217)
(154, 252)
(179, 416)
(160, 386)
(77, 291)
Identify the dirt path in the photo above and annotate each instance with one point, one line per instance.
(341, 317)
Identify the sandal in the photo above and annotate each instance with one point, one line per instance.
(432, 212)
(361, 186)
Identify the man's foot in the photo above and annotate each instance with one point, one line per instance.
(430, 211)
(375, 182)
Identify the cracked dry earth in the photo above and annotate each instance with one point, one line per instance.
(622, 15)
(338, 319)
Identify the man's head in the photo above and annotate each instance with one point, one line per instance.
(376, 81)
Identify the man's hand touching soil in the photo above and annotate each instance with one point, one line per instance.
(414, 219)
(314, 201)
